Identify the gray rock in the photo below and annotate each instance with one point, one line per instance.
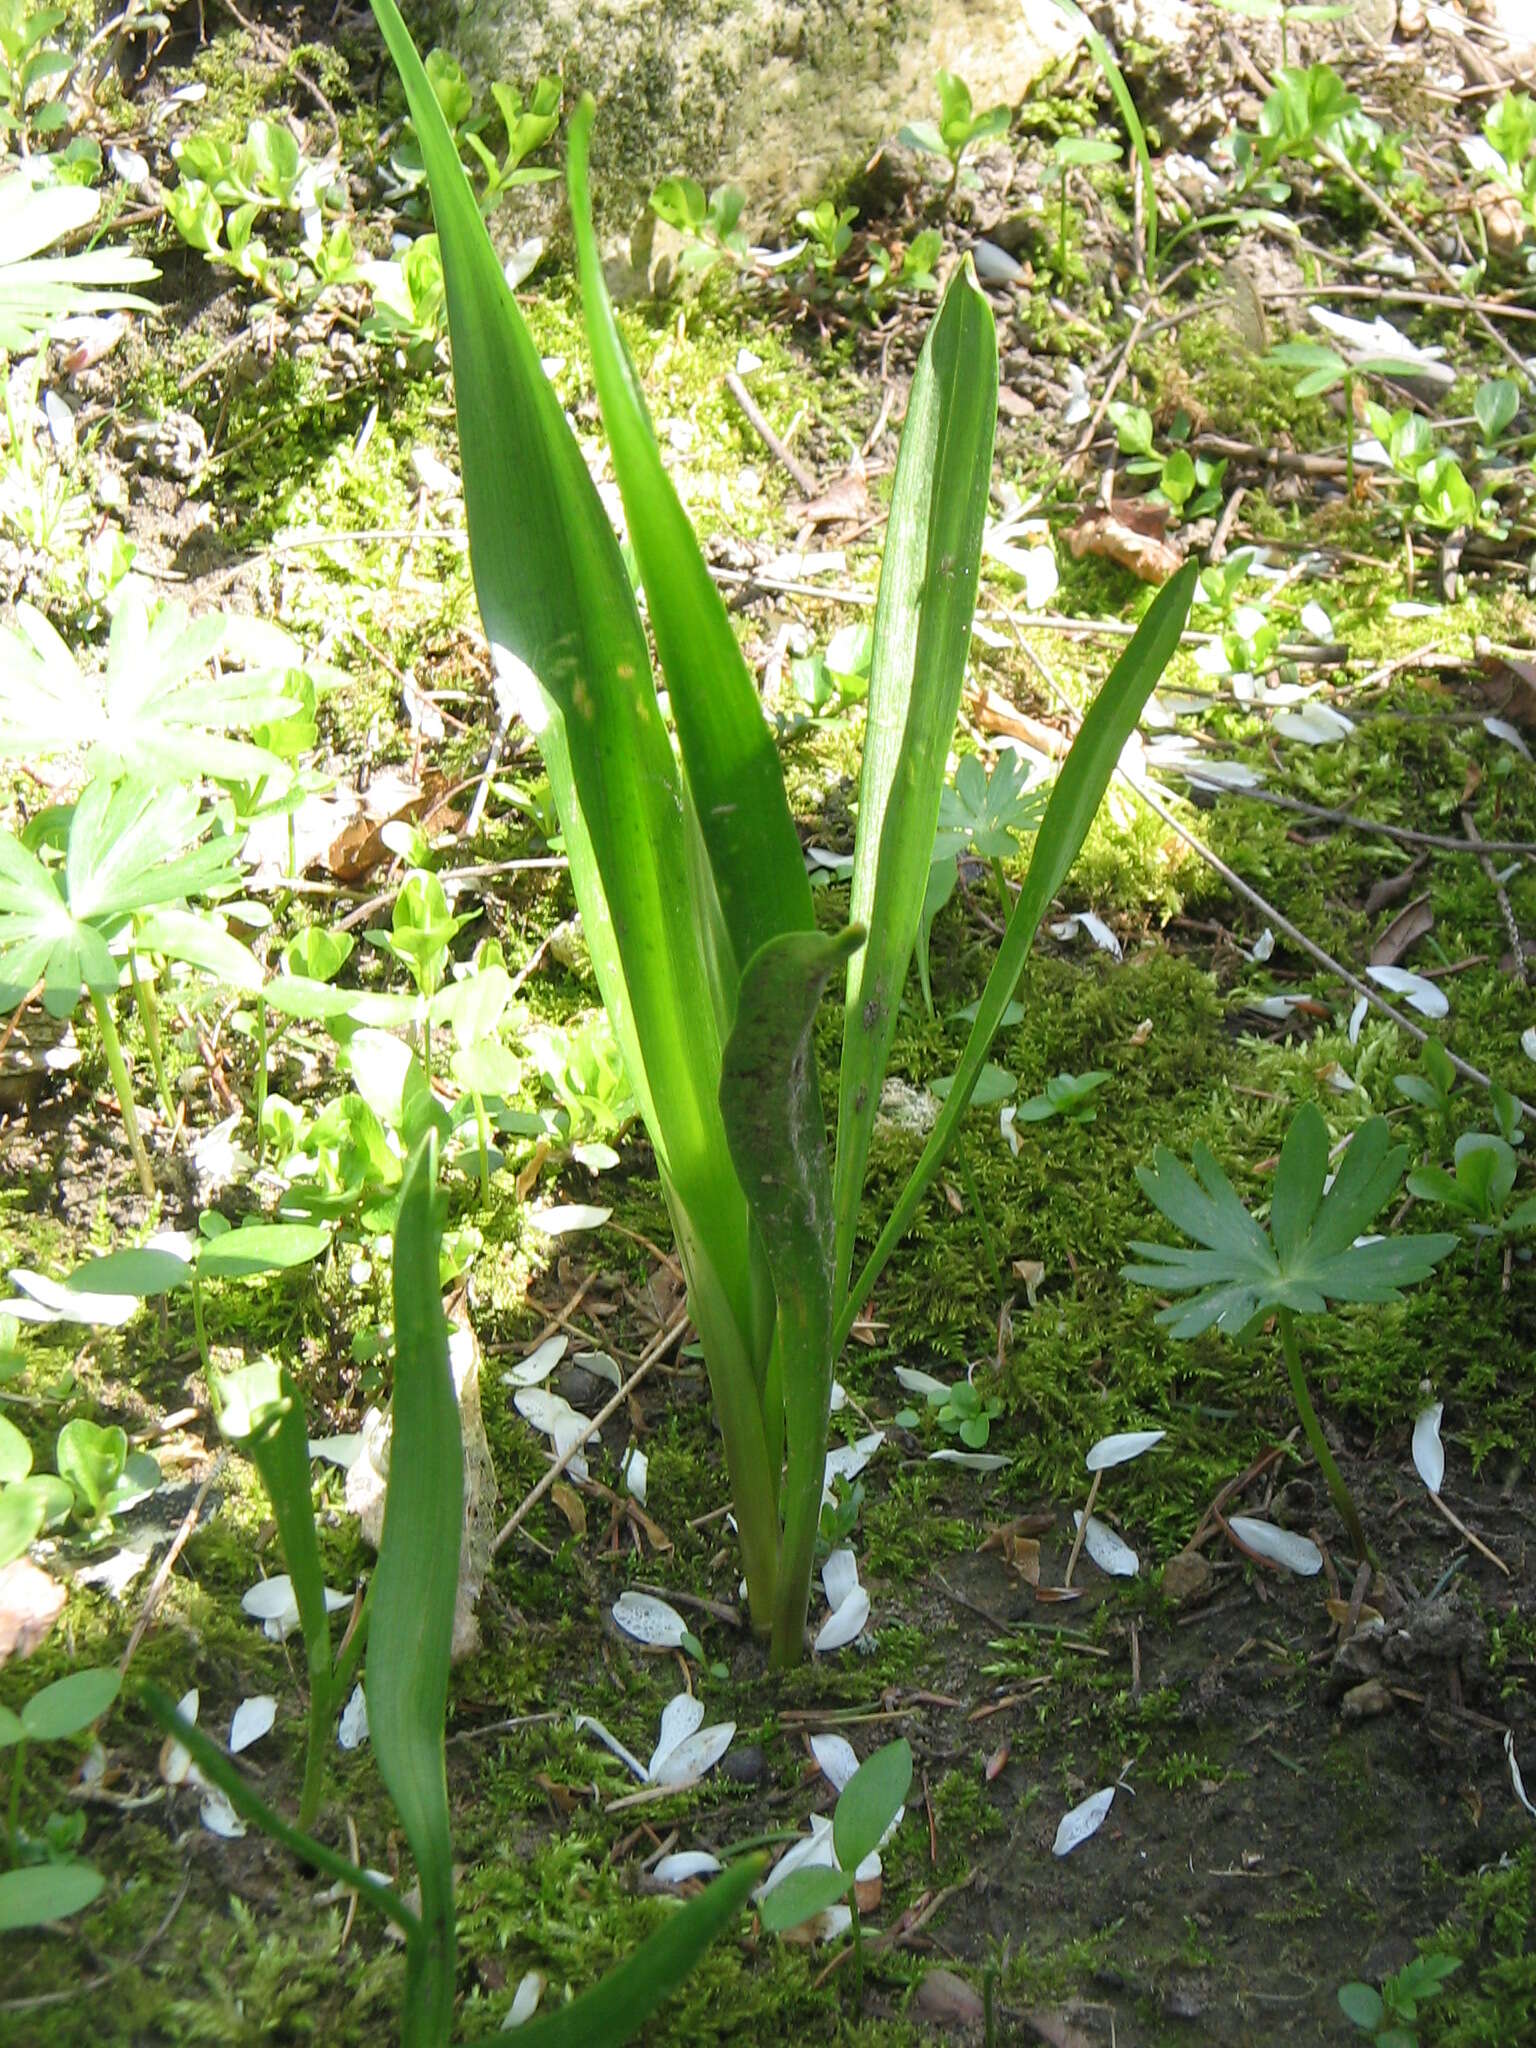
(782, 99)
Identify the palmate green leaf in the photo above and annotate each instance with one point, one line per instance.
(617, 2007)
(771, 1102)
(1309, 1256)
(415, 1586)
(728, 751)
(923, 614)
(555, 598)
(1074, 801)
(153, 711)
(130, 848)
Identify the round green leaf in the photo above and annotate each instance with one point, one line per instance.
(91, 1459)
(15, 1453)
(1362, 2004)
(70, 1704)
(262, 1248)
(139, 1273)
(11, 1730)
(46, 1892)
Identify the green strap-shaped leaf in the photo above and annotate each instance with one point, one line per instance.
(728, 752)
(259, 1409)
(615, 2010)
(1076, 798)
(921, 637)
(410, 1634)
(556, 602)
(771, 1101)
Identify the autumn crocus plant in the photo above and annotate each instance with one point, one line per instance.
(684, 857)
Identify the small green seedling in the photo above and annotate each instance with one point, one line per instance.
(1066, 1095)
(868, 1807)
(838, 676)
(1191, 484)
(1433, 1087)
(1311, 1255)
(1388, 2015)
(828, 230)
(710, 225)
(964, 1413)
(958, 129)
(1322, 369)
(410, 303)
(40, 1888)
(1478, 1187)
(422, 929)
(105, 1477)
(1074, 153)
(1494, 405)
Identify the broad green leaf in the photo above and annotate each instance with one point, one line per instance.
(11, 1730)
(91, 1459)
(1362, 2004)
(143, 1273)
(801, 1896)
(21, 1521)
(922, 630)
(415, 1587)
(617, 2007)
(261, 1248)
(729, 755)
(15, 1453)
(1298, 1183)
(1074, 801)
(45, 1892)
(199, 940)
(770, 1098)
(37, 291)
(869, 1801)
(70, 1704)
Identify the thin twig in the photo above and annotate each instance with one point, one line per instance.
(1501, 896)
(658, 1350)
(804, 480)
(1077, 459)
(167, 1563)
(1444, 842)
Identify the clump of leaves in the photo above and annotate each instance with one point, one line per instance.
(1388, 2015)
(1313, 1255)
(958, 129)
(1479, 1186)
(1064, 1095)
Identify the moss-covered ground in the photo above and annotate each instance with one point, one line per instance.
(1276, 1835)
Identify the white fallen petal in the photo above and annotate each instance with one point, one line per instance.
(1501, 729)
(811, 1852)
(696, 1755)
(48, 1302)
(840, 1577)
(636, 1469)
(844, 1623)
(253, 1718)
(835, 1758)
(679, 1718)
(1416, 992)
(565, 1217)
(341, 1451)
(1319, 725)
(115, 1574)
(352, 1732)
(839, 1400)
(525, 2000)
(1515, 1777)
(1356, 1019)
(650, 1620)
(1263, 946)
(1108, 1551)
(1528, 1041)
(1428, 1451)
(533, 1370)
(969, 1461)
(269, 1598)
(1298, 1554)
(685, 1863)
(601, 1366)
(1316, 621)
(1083, 1821)
(831, 1923)
(847, 1461)
(176, 1766)
(916, 1382)
(1120, 1449)
(218, 1816)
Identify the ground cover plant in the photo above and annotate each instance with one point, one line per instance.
(516, 1511)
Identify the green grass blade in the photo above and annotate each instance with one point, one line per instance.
(614, 2010)
(1079, 790)
(216, 1767)
(410, 1633)
(921, 637)
(259, 1409)
(729, 756)
(771, 1102)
